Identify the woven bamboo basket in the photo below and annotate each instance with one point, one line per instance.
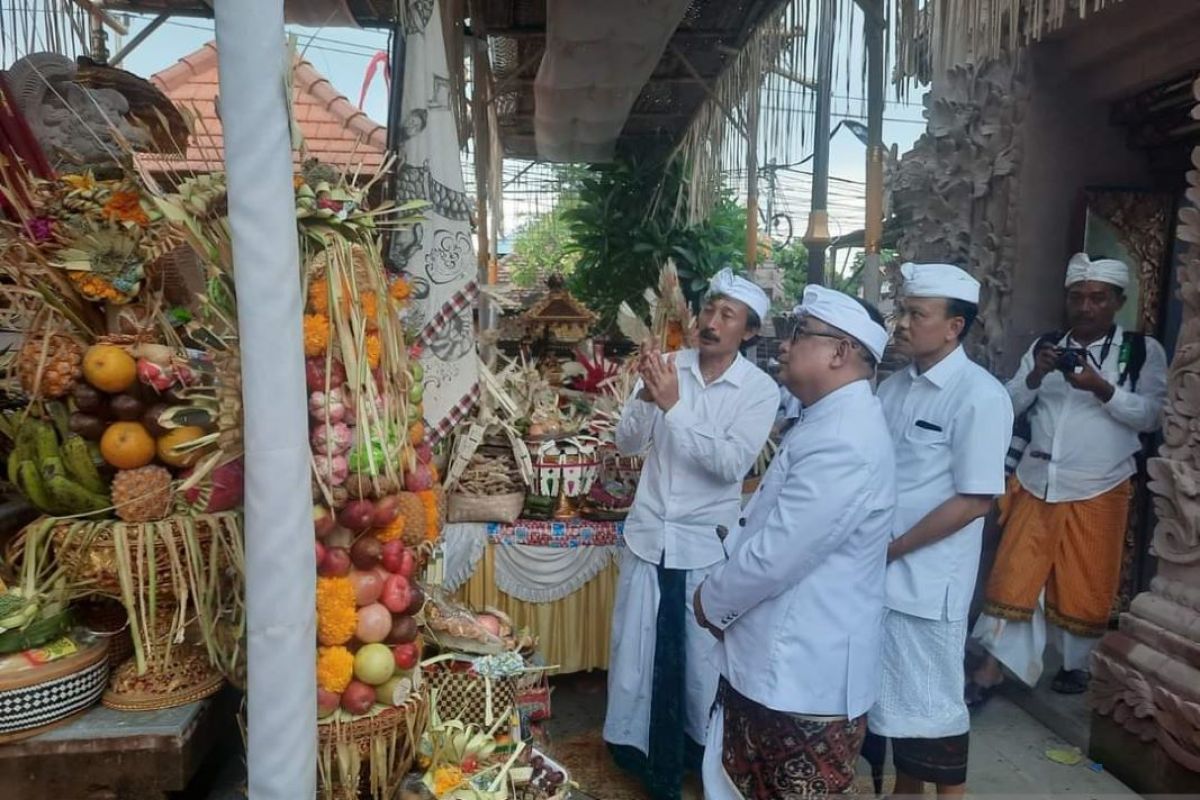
(472, 699)
(485, 508)
(369, 756)
(106, 619)
(177, 672)
(92, 551)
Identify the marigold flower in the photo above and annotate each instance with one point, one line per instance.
(125, 207)
(446, 780)
(337, 617)
(400, 291)
(318, 296)
(335, 668)
(432, 523)
(393, 530)
(374, 349)
(316, 334)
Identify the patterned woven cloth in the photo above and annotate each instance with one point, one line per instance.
(568, 533)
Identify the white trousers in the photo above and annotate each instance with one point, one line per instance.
(631, 658)
(1020, 646)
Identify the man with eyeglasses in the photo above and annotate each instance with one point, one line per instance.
(797, 607)
(950, 423)
(1088, 394)
(701, 416)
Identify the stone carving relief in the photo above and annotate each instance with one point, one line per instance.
(89, 115)
(956, 191)
(1146, 677)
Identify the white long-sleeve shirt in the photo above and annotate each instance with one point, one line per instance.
(1079, 447)
(699, 452)
(801, 597)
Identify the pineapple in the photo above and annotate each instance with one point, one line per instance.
(413, 511)
(142, 494)
(57, 373)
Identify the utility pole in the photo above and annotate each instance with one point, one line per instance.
(816, 238)
(873, 229)
(752, 102)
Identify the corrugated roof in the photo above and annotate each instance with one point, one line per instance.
(335, 131)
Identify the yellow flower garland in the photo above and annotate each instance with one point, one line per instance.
(337, 616)
(432, 527)
(335, 668)
(318, 296)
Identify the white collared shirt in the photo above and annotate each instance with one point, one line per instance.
(1080, 448)
(699, 453)
(801, 597)
(951, 427)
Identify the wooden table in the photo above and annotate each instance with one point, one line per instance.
(112, 755)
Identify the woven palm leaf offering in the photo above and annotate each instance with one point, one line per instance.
(129, 437)
(376, 500)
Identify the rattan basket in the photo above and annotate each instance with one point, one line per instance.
(91, 551)
(485, 508)
(369, 756)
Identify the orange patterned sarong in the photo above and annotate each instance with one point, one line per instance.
(1073, 550)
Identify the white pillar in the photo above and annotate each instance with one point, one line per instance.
(280, 562)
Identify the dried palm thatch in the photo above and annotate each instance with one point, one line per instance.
(934, 35)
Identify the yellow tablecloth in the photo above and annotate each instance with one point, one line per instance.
(573, 631)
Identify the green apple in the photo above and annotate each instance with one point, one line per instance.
(374, 664)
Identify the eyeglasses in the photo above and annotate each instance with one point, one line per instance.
(800, 333)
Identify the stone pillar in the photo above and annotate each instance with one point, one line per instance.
(1145, 691)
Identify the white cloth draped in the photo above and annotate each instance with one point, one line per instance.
(631, 660)
(528, 573)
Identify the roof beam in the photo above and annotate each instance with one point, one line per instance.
(540, 33)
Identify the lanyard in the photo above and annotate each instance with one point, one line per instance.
(1104, 350)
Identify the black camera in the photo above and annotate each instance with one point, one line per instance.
(1071, 360)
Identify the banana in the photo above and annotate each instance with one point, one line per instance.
(14, 462)
(29, 481)
(52, 467)
(78, 459)
(45, 439)
(72, 498)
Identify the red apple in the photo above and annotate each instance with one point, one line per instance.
(397, 594)
(314, 374)
(367, 586)
(327, 702)
(358, 697)
(320, 553)
(366, 551)
(424, 453)
(406, 655)
(418, 601)
(323, 521)
(357, 515)
(386, 511)
(392, 556)
(404, 630)
(335, 564)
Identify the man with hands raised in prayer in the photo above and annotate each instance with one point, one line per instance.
(700, 417)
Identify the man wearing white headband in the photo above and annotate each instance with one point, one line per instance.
(701, 417)
(797, 607)
(950, 423)
(1087, 394)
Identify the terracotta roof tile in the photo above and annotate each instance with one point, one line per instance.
(334, 129)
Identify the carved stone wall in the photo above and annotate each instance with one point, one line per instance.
(1146, 676)
(956, 191)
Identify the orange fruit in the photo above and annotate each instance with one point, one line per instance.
(127, 445)
(109, 368)
(176, 437)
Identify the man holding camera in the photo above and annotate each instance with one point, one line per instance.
(1088, 394)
